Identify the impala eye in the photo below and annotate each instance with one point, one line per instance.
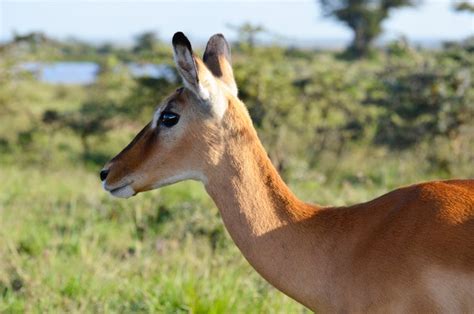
(169, 119)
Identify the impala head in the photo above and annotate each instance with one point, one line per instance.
(184, 136)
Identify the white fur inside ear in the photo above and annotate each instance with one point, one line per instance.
(232, 88)
(219, 105)
(186, 66)
(202, 92)
(210, 92)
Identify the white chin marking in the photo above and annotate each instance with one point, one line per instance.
(187, 175)
(123, 192)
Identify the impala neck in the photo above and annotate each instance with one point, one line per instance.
(264, 218)
(249, 192)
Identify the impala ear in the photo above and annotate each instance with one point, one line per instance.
(188, 67)
(184, 59)
(196, 76)
(218, 60)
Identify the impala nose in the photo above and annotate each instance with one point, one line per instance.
(103, 174)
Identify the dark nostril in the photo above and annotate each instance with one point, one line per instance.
(103, 174)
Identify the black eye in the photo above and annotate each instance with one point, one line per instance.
(168, 118)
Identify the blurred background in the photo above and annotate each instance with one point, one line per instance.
(351, 99)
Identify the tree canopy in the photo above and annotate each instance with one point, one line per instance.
(364, 18)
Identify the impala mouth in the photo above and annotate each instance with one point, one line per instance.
(124, 191)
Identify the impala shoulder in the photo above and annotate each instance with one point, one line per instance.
(448, 201)
(450, 191)
(452, 201)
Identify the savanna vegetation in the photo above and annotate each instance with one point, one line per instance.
(340, 130)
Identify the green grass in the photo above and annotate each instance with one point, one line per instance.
(67, 246)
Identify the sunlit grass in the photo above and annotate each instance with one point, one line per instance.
(67, 246)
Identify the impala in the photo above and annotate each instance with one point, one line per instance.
(411, 250)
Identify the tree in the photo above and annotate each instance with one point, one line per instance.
(146, 42)
(148, 47)
(424, 99)
(247, 34)
(364, 18)
(464, 6)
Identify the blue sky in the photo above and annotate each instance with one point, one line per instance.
(299, 20)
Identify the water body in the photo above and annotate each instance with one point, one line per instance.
(83, 73)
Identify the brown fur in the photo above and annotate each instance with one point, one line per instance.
(410, 250)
